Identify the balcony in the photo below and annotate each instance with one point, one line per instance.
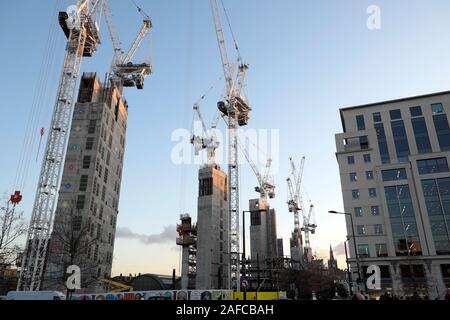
(356, 144)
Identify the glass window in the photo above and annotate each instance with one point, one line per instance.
(395, 114)
(355, 194)
(375, 210)
(378, 229)
(372, 192)
(437, 108)
(415, 111)
(429, 166)
(86, 162)
(360, 123)
(358, 212)
(376, 117)
(83, 183)
(367, 158)
(403, 221)
(92, 126)
(360, 230)
(363, 250)
(412, 271)
(351, 159)
(80, 201)
(381, 249)
(421, 135)
(400, 140)
(445, 268)
(369, 175)
(382, 143)
(353, 177)
(363, 142)
(437, 198)
(89, 143)
(393, 175)
(442, 131)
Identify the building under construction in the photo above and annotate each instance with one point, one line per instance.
(87, 209)
(209, 239)
(187, 239)
(263, 231)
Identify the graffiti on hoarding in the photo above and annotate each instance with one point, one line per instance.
(150, 295)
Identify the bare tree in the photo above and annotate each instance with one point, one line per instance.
(73, 242)
(12, 228)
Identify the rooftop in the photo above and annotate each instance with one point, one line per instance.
(429, 95)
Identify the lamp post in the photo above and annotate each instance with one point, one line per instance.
(349, 275)
(354, 239)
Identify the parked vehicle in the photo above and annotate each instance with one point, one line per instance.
(35, 295)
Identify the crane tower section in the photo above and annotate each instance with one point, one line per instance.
(82, 41)
(235, 110)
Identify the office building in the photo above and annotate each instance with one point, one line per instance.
(393, 159)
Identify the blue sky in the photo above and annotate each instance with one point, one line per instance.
(307, 59)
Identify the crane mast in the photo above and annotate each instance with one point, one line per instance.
(82, 41)
(236, 111)
(295, 205)
(308, 229)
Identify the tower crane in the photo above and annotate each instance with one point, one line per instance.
(309, 227)
(124, 72)
(207, 140)
(235, 109)
(83, 39)
(266, 187)
(295, 205)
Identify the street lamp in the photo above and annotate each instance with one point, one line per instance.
(349, 275)
(354, 239)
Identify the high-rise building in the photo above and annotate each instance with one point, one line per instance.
(263, 231)
(212, 229)
(87, 208)
(280, 248)
(393, 158)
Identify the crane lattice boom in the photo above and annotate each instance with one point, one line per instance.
(81, 42)
(123, 71)
(236, 111)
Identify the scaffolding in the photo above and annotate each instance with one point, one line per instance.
(187, 239)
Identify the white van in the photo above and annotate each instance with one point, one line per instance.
(35, 295)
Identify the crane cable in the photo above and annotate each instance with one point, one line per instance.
(140, 10)
(36, 110)
(231, 31)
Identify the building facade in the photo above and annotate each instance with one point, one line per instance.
(212, 229)
(87, 208)
(263, 232)
(393, 159)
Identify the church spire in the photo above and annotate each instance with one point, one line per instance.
(331, 254)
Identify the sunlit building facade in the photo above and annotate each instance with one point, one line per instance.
(394, 159)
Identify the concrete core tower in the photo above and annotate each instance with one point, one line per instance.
(212, 229)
